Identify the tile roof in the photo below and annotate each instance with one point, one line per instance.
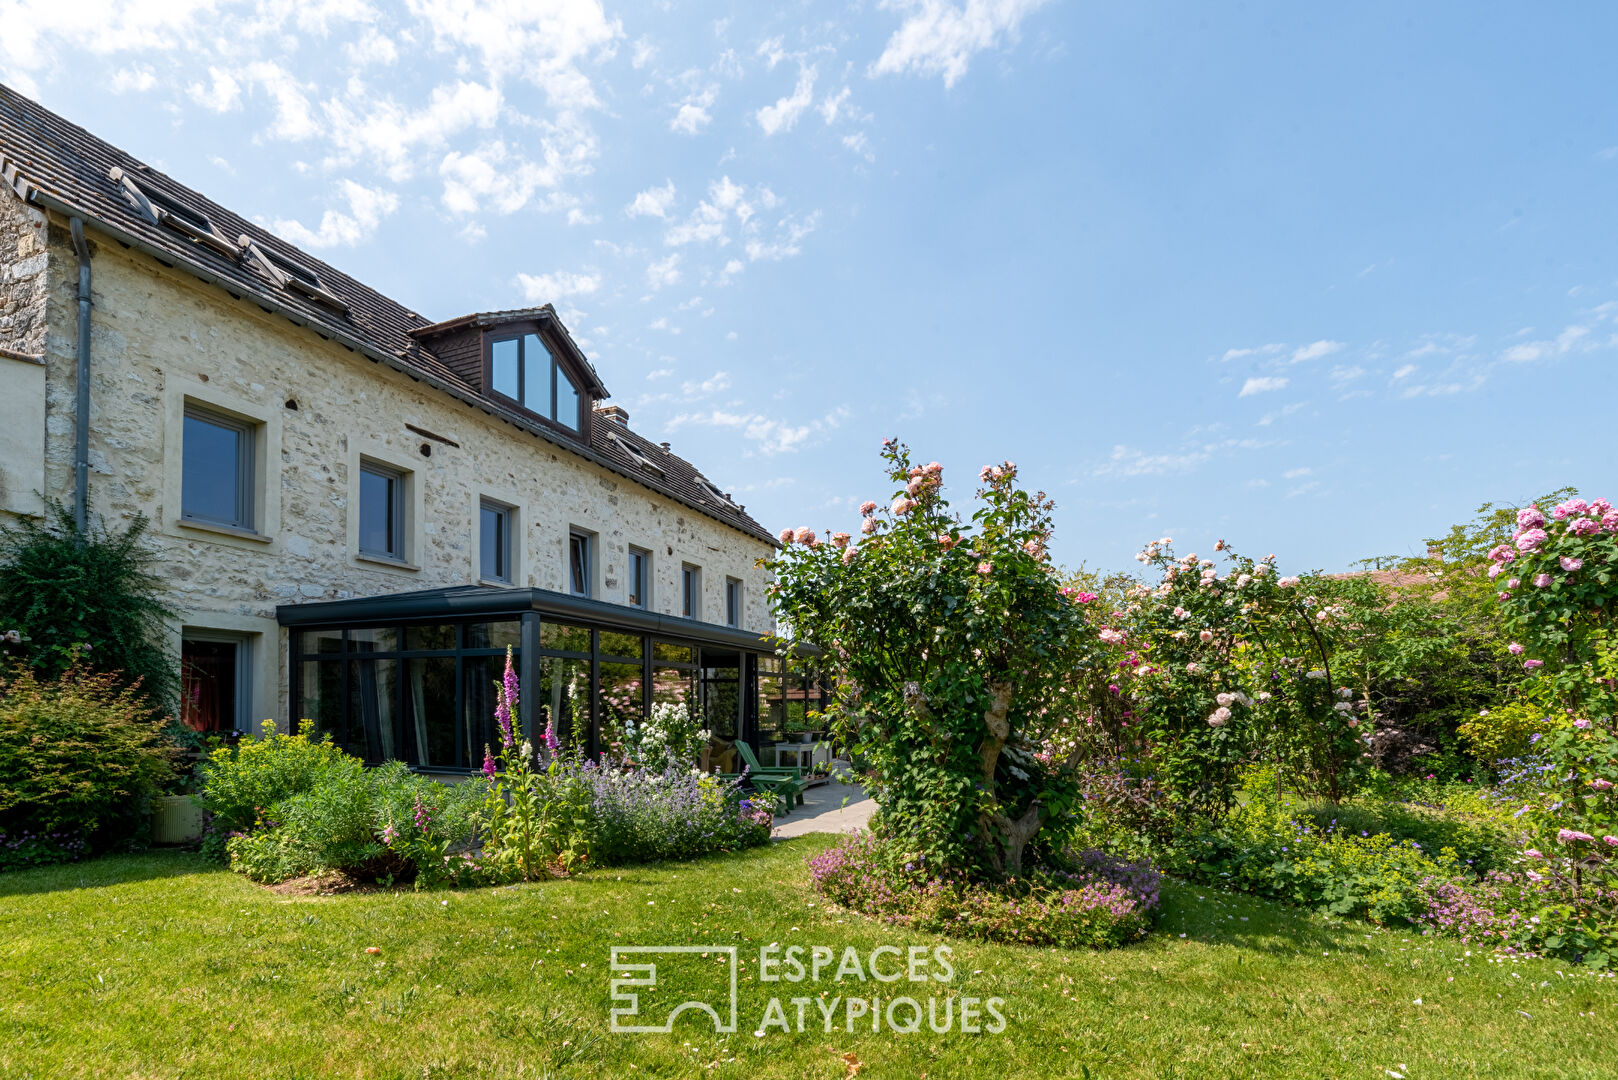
(60, 166)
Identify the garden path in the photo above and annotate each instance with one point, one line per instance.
(834, 807)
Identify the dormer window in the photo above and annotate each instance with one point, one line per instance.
(523, 368)
(163, 210)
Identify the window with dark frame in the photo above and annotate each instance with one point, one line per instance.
(494, 542)
(216, 469)
(733, 602)
(640, 563)
(578, 563)
(524, 369)
(381, 532)
(690, 591)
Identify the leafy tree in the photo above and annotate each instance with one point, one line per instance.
(90, 594)
(953, 647)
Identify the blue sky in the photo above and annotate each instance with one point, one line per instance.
(1317, 280)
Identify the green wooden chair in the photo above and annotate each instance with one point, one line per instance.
(785, 784)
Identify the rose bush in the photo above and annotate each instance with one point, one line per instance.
(953, 648)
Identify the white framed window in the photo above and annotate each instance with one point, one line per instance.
(638, 586)
(495, 541)
(218, 474)
(382, 511)
(733, 602)
(580, 563)
(691, 591)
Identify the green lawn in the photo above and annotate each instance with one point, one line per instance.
(163, 966)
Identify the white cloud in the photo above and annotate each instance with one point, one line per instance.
(545, 288)
(665, 272)
(1261, 350)
(1293, 474)
(653, 202)
(222, 94)
(1405, 372)
(1284, 411)
(831, 105)
(713, 384)
(772, 436)
(642, 52)
(366, 208)
(690, 119)
(371, 48)
(784, 113)
(1315, 351)
(493, 176)
(785, 244)
(136, 77)
(859, 144)
(1262, 384)
(1126, 461)
(939, 38)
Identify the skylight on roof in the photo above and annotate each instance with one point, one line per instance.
(290, 275)
(707, 485)
(636, 456)
(165, 210)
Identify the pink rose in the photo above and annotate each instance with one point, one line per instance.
(1570, 564)
(785, 537)
(1568, 836)
(848, 555)
(1610, 841)
(839, 539)
(805, 535)
(1584, 527)
(1530, 540)
(1533, 853)
(867, 508)
(1529, 517)
(1514, 582)
(1085, 597)
(946, 541)
(868, 526)
(1581, 723)
(1541, 580)
(1530, 665)
(985, 568)
(1206, 635)
(1601, 785)
(1514, 649)
(1494, 571)
(915, 486)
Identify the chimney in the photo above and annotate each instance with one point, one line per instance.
(613, 412)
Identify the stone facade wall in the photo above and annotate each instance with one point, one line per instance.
(24, 263)
(162, 340)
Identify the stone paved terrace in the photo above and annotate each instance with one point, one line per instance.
(838, 806)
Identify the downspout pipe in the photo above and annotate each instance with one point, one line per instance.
(81, 424)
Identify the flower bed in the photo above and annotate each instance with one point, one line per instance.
(1100, 902)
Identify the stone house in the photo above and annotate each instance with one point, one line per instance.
(359, 507)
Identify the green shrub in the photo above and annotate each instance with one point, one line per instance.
(1480, 845)
(1269, 847)
(89, 595)
(80, 758)
(239, 782)
(1504, 731)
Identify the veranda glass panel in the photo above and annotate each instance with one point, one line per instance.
(563, 637)
(721, 693)
(429, 637)
(321, 642)
(623, 706)
(771, 713)
(373, 691)
(627, 646)
(374, 639)
(668, 650)
(320, 710)
(563, 698)
(494, 635)
(480, 682)
(429, 709)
